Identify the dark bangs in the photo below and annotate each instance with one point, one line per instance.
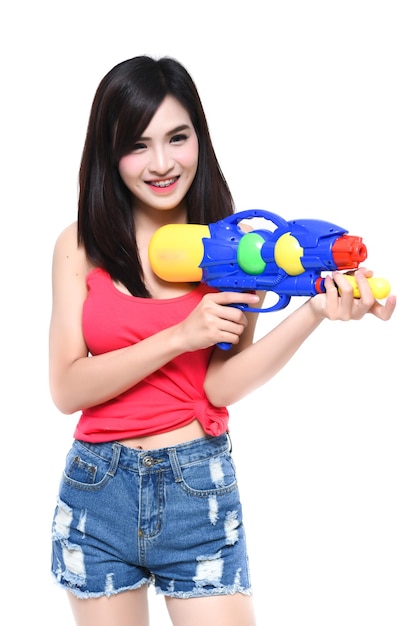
(137, 105)
(135, 90)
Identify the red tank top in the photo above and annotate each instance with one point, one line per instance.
(169, 398)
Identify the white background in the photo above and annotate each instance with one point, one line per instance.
(312, 109)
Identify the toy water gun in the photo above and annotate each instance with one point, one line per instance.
(288, 260)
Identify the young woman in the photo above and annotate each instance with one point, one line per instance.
(149, 492)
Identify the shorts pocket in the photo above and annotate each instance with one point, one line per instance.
(86, 470)
(211, 476)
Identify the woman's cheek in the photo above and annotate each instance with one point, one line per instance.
(128, 166)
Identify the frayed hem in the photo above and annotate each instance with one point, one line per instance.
(199, 592)
(85, 595)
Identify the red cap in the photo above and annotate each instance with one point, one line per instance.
(348, 251)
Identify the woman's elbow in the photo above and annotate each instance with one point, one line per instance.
(66, 408)
(219, 397)
(62, 401)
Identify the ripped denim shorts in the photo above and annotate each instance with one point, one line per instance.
(170, 517)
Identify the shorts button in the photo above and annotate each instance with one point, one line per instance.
(148, 461)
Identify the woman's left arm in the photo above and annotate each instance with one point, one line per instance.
(233, 374)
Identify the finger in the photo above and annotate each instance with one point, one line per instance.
(232, 328)
(384, 312)
(231, 316)
(365, 291)
(235, 297)
(365, 271)
(346, 293)
(330, 287)
(331, 303)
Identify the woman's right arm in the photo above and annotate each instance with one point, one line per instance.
(77, 380)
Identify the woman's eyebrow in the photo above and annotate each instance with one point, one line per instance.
(175, 130)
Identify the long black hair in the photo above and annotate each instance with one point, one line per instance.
(124, 104)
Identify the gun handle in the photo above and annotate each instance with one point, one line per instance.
(281, 303)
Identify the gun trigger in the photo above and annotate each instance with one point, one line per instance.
(281, 303)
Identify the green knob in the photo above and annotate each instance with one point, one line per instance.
(249, 255)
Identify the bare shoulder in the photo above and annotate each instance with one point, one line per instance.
(68, 255)
(67, 239)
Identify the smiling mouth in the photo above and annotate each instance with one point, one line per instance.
(161, 184)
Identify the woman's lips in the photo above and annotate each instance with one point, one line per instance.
(161, 186)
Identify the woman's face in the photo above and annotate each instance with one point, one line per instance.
(161, 168)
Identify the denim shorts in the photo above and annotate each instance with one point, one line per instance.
(171, 517)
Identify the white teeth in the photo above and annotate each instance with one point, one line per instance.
(164, 183)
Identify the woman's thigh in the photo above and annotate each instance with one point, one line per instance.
(227, 610)
(123, 609)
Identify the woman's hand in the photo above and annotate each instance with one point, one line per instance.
(338, 302)
(214, 320)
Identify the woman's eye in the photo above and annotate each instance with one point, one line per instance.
(179, 138)
(139, 146)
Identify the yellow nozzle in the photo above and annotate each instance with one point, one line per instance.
(176, 251)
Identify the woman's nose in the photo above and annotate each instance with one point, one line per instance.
(161, 161)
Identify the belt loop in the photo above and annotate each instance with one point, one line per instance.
(230, 441)
(176, 469)
(115, 459)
